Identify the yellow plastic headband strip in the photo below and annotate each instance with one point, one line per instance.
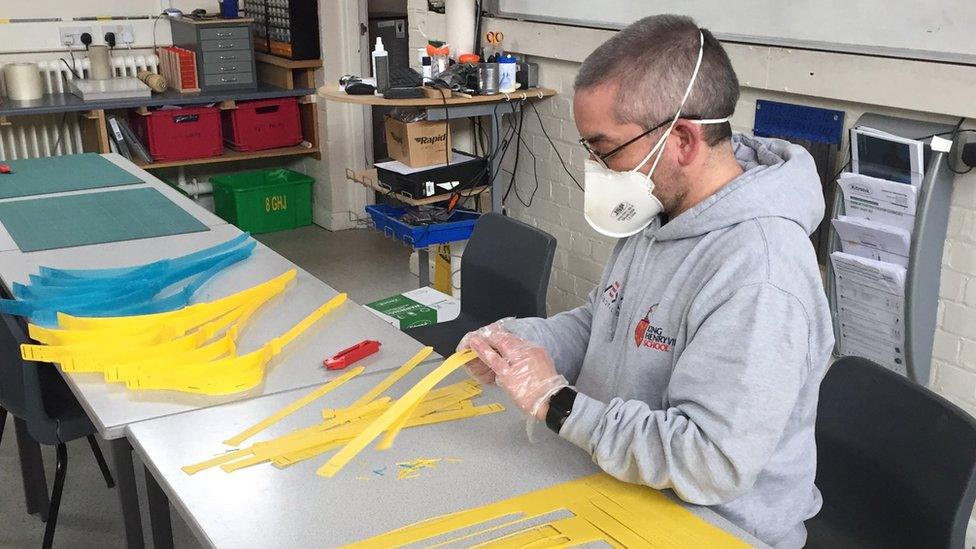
(197, 313)
(237, 439)
(231, 375)
(402, 406)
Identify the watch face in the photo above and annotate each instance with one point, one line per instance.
(560, 406)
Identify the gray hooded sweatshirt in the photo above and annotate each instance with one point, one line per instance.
(699, 356)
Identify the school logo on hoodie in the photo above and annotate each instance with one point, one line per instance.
(611, 297)
(649, 335)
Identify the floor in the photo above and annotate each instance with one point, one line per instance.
(361, 262)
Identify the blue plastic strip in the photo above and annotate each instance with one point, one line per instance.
(775, 119)
(181, 298)
(107, 297)
(69, 274)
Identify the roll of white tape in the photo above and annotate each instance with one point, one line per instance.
(23, 81)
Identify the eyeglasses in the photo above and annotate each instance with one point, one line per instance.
(602, 157)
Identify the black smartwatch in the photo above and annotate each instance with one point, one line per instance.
(560, 406)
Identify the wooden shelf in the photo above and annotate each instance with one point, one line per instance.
(230, 156)
(287, 63)
(368, 178)
(332, 92)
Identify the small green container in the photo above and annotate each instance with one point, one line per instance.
(263, 201)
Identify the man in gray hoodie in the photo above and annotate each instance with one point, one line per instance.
(695, 364)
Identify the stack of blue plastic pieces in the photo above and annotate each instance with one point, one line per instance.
(144, 289)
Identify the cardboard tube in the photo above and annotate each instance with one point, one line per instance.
(23, 81)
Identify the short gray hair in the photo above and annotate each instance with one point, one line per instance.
(652, 61)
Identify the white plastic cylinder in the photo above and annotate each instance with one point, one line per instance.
(460, 15)
(23, 81)
(100, 57)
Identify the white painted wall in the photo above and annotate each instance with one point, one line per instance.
(337, 203)
(36, 37)
(854, 84)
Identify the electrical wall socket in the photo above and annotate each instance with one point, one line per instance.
(71, 36)
(124, 35)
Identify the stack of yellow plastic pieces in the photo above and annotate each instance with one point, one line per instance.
(362, 420)
(593, 510)
(192, 350)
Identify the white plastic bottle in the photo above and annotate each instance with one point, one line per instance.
(507, 68)
(381, 67)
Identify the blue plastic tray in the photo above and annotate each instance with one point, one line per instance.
(387, 219)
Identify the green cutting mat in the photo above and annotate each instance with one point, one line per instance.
(94, 218)
(55, 174)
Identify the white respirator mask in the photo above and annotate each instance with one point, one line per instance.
(621, 204)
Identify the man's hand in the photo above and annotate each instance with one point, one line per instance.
(477, 367)
(523, 369)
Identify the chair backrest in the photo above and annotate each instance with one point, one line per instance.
(22, 383)
(893, 454)
(505, 269)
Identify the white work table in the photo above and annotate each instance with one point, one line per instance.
(112, 407)
(263, 506)
(200, 213)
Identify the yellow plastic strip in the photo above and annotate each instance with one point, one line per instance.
(242, 463)
(397, 375)
(402, 405)
(603, 509)
(204, 311)
(232, 375)
(280, 342)
(56, 336)
(215, 461)
(295, 456)
(237, 439)
(54, 353)
(345, 415)
(223, 347)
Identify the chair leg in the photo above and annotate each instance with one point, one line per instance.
(32, 471)
(100, 459)
(3, 422)
(52, 513)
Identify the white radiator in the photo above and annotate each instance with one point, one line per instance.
(38, 135)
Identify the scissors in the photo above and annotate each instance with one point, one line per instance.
(494, 37)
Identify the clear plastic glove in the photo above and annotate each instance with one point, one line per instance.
(477, 367)
(523, 369)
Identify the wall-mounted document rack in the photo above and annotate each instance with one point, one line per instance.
(909, 318)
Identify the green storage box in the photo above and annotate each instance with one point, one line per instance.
(263, 201)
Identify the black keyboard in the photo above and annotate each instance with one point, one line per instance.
(405, 77)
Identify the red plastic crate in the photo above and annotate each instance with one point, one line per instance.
(181, 134)
(263, 124)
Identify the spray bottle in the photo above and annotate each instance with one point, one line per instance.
(381, 67)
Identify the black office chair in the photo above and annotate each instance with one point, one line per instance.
(38, 396)
(896, 463)
(504, 272)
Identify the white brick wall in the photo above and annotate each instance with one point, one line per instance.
(581, 252)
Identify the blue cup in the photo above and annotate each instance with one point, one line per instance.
(229, 9)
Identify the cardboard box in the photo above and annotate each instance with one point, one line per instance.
(417, 144)
(418, 307)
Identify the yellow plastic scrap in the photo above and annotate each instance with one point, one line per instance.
(140, 330)
(152, 361)
(342, 425)
(229, 375)
(237, 439)
(603, 509)
(394, 413)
